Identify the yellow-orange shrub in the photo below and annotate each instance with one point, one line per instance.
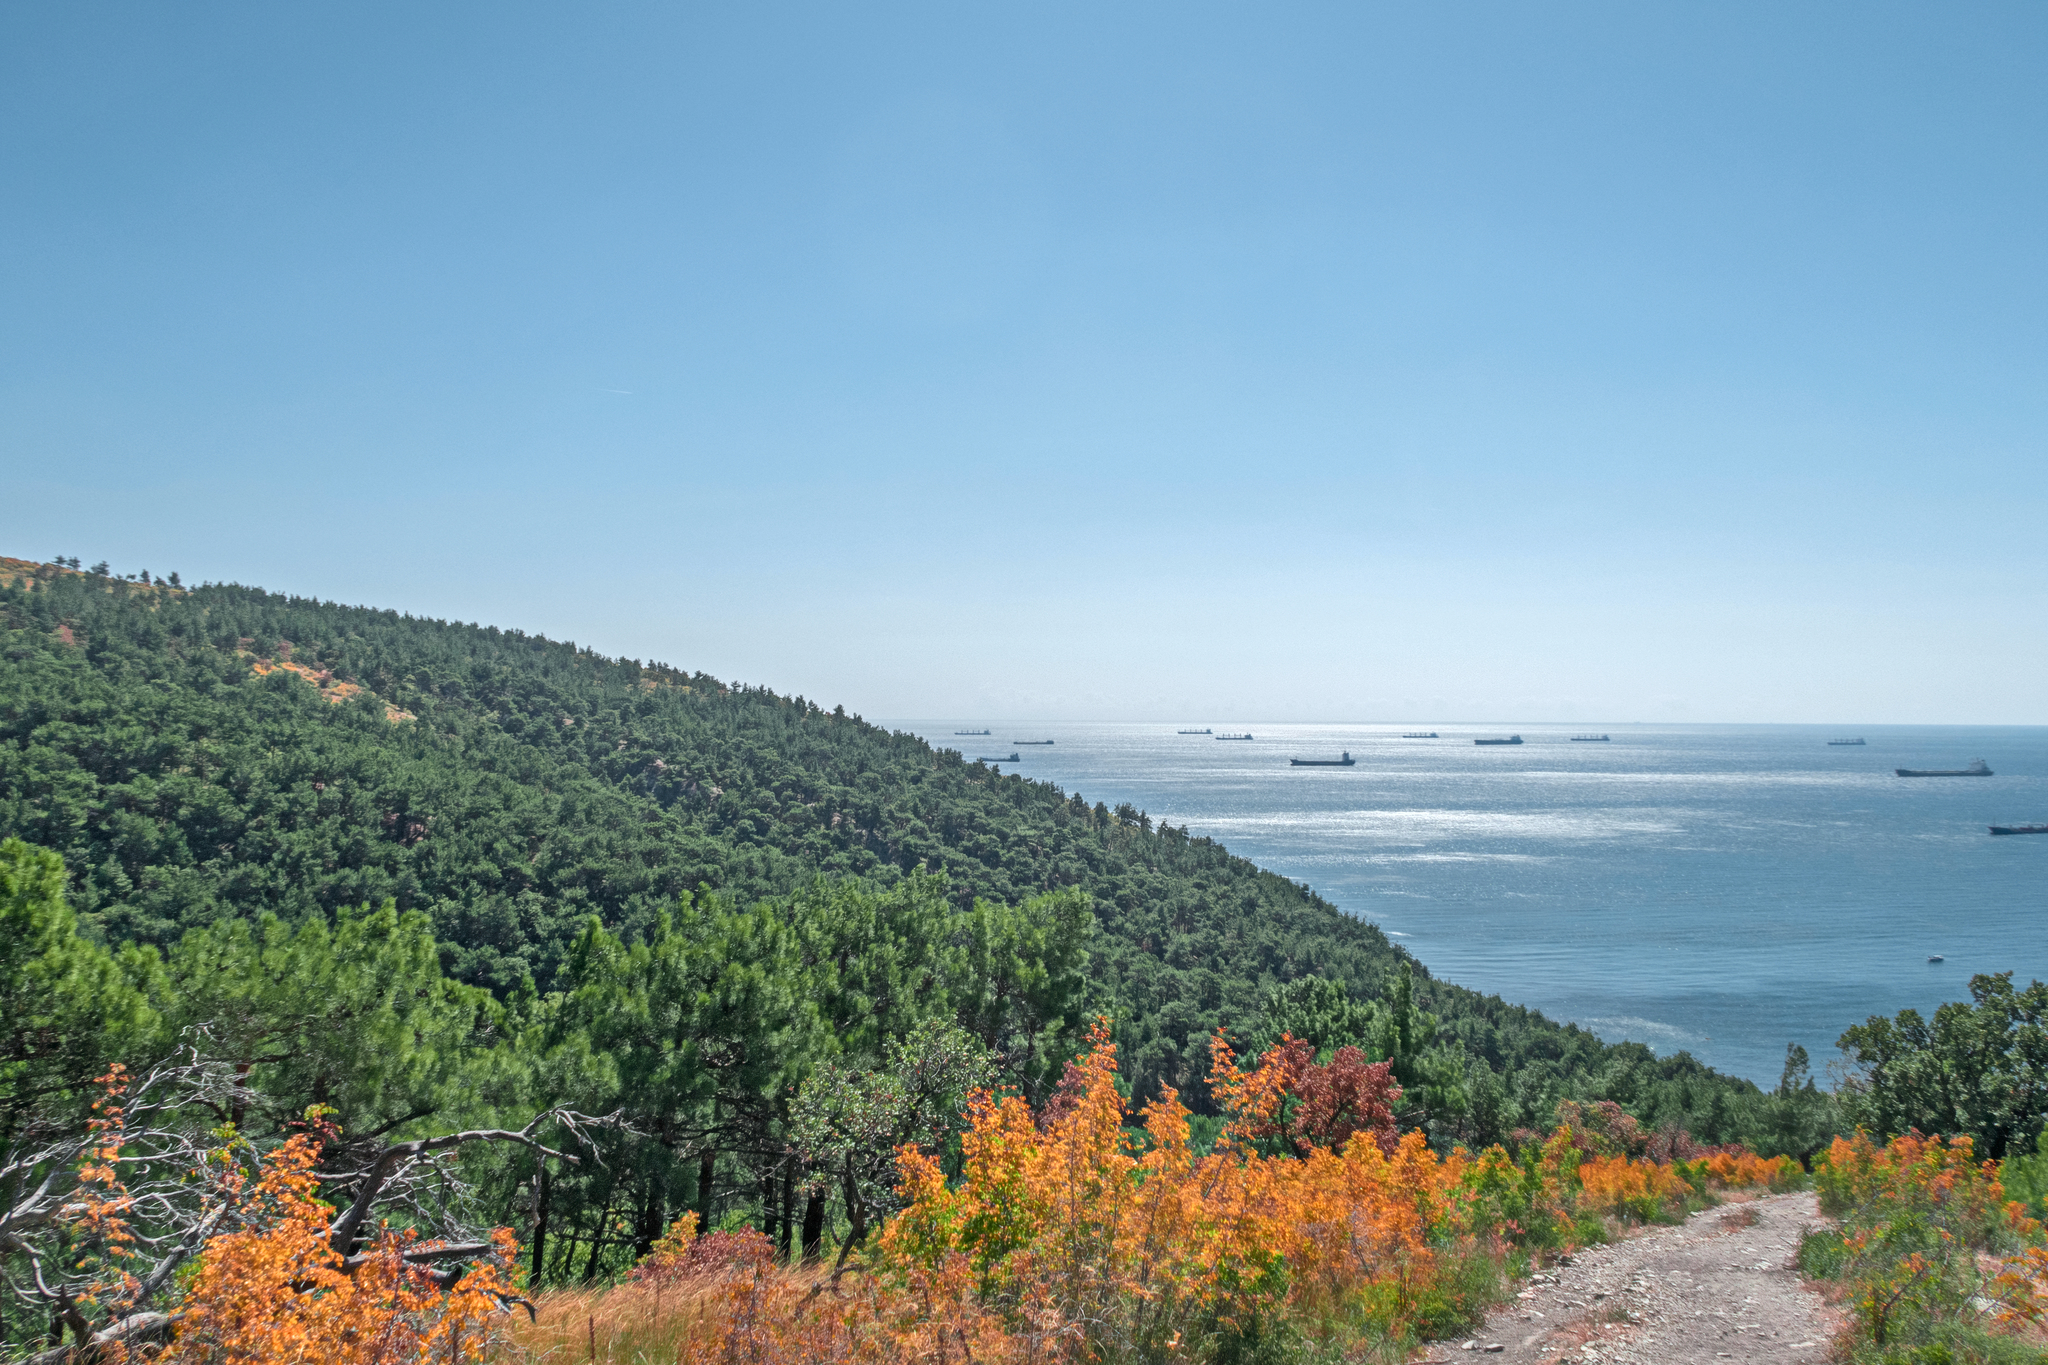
(276, 1292)
(1068, 1237)
(1928, 1236)
(1734, 1168)
(1626, 1189)
(1078, 1235)
(1908, 1169)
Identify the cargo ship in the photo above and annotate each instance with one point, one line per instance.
(1013, 758)
(1977, 768)
(1590, 739)
(1839, 742)
(1233, 736)
(1420, 734)
(1030, 741)
(1344, 762)
(1197, 732)
(974, 732)
(2019, 829)
(1511, 739)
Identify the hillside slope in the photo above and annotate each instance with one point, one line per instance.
(224, 751)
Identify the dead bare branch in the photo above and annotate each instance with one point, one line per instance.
(151, 1181)
(398, 1156)
(135, 1325)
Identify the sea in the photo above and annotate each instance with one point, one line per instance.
(1720, 890)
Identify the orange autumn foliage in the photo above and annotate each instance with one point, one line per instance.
(101, 1205)
(1928, 1236)
(1735, 1168)
(1909, 1169)
(1621, 1188)
(1068, 1238)
(1068, 1235)
(275, 1291)
(1065, 1238)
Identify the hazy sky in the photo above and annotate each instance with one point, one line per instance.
(1194, 361)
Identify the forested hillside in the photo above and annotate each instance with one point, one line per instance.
(214, 754)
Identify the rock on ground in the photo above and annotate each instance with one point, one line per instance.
(1724, 1287)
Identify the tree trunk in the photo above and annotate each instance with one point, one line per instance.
(652, 1210)
(604, 1217)
(707, 1165)
(542, 1190)
(814, 1225)
(771, 1227)
(565, 1259)
(856, 1211)
(788, 1205)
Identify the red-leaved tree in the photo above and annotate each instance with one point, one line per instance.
(1350, 1095)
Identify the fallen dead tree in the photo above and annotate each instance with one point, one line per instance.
(95, 1226)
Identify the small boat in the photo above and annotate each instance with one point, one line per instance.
(973, 732)
(1937, 957)
(1977, 768)
(1840, 742)
(2019, 829)
(1013, 758)
(1511, 739)
(1420, 734)
(1589, 739)
(1233, 736)
(1195, 732)
(1030, 741)
(1344, 762)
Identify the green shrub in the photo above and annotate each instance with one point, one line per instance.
(1467, 1283)
(1822, 1255)
(1922, 1225)
(2026, 1178)
(1953, 1344)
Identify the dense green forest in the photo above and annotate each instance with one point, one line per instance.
(538, 784)
(426, 873)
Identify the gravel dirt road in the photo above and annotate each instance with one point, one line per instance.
(1724, 1287)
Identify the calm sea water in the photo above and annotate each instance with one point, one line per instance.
(1718, 889)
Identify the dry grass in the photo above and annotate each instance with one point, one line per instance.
(632, 1324)
(766, 1315)
(648, 1322)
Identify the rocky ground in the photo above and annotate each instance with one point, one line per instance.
(1723, 1287)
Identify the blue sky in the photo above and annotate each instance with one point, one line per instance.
(1093, 361)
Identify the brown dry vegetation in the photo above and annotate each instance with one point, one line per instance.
(633, 1324)
(15, 573)
(334, 691)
